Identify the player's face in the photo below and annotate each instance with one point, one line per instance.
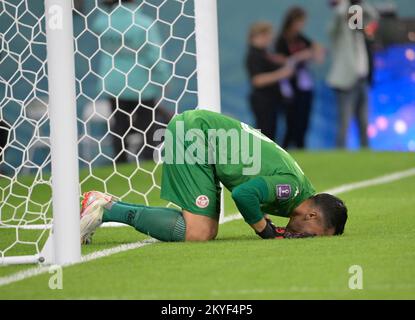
(298, 225)
(308, 223)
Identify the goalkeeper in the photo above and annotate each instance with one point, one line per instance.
(263, 178)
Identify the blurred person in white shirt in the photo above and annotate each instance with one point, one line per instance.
(350, 69)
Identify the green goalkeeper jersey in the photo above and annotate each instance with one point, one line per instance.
(262, 176)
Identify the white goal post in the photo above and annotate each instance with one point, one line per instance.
(20, 210)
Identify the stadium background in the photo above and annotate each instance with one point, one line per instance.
(393, 95)
(392, 107)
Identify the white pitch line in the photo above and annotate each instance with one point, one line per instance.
(22, 275)
(28, 273)
(388, 178)
(48, 226)
(32, 272)
(35, 271)
(121, 248)
(235, 216)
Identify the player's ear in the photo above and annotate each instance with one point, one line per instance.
(311, 215)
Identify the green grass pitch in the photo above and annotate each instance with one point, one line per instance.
(379, 237)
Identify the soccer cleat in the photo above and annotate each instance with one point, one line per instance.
(90, 197)
(91, 213)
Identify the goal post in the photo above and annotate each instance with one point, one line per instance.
(63, 132)
(207, 55)
(58, 217)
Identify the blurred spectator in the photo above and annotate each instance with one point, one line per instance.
(298, 91)
(351, 68)
(133, 76)
(264, 73)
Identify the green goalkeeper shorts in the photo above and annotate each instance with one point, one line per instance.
(192, 186)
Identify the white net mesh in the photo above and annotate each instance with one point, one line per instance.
(135, 68)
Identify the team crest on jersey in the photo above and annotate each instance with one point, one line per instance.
(283, 191)
(202, 201)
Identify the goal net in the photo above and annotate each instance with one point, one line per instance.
(136, 64)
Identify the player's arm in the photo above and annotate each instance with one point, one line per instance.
(248, 198)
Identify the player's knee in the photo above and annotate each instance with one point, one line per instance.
(199, 227)
(199, 237)
(200, 234)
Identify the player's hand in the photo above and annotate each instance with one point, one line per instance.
(273, 232)
(269, 221)
(269, 231)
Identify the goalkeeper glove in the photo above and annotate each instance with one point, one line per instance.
(273, 232)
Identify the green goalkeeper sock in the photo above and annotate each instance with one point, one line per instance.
(164, 224)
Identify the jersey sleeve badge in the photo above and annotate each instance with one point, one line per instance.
(283, 191)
